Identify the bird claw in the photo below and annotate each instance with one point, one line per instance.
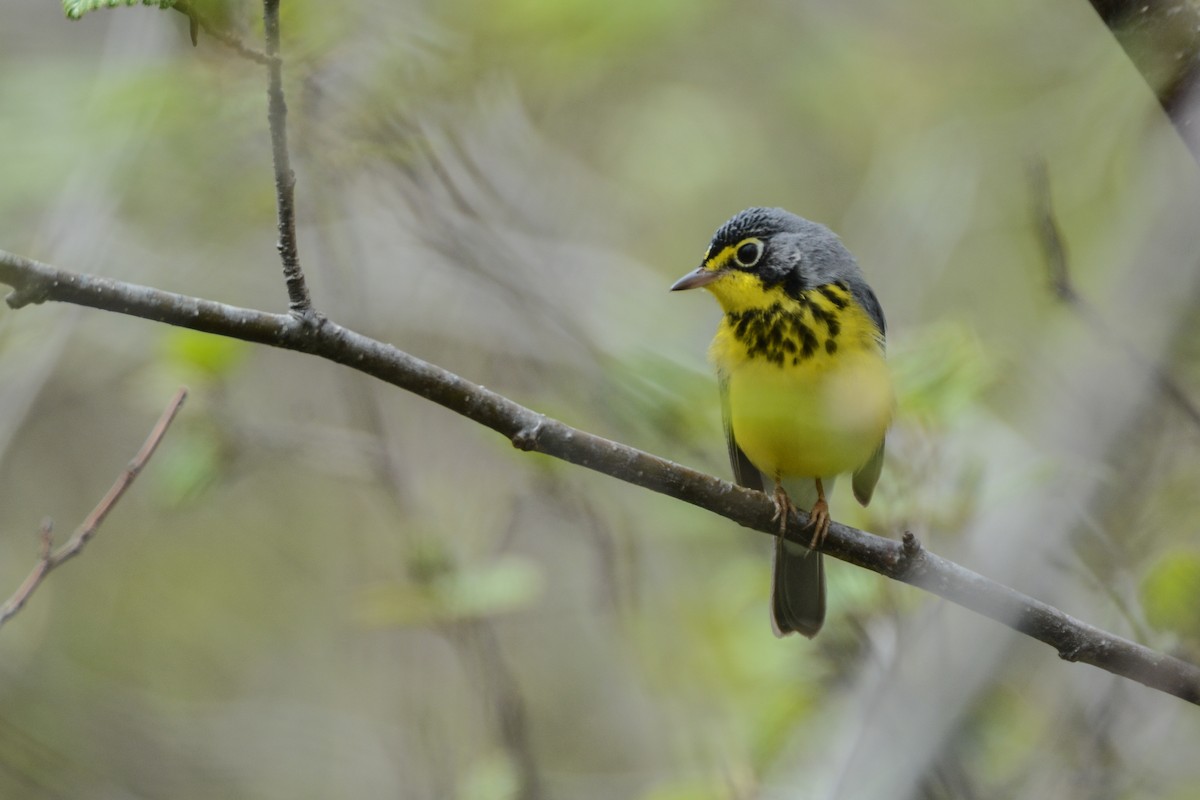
(783, 508)
(818, 520)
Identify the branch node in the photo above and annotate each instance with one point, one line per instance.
(1074, 652)
(309, 318)
(903, 562)
(527, 438)
(33, 294)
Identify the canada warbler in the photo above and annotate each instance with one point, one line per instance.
(805, 391)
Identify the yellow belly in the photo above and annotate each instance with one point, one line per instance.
(811, 420)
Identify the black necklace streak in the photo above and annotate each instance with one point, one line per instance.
(780, 336)
(831, 293)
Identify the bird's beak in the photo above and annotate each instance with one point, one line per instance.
(700, 276)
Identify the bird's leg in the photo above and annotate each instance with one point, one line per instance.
(783, 506)
(818, 518)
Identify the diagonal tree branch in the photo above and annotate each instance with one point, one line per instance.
(1162, 39)
(905, 561)
(1054, 249)
(49, 559)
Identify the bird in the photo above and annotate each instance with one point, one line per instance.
(806, 393)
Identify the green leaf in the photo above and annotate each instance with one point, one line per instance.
(77, 8)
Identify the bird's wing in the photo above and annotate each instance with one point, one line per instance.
(867, 299)
(866, 476)
(745, 473)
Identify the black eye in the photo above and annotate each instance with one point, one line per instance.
(748, 253)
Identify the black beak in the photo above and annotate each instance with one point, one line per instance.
(700, 276)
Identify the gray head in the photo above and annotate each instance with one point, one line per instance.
(783, 251)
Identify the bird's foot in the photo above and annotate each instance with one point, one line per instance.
(818, 520)
(783, 508)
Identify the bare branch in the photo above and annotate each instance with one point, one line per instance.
(49, 559)
(285, 179)
(528, 430)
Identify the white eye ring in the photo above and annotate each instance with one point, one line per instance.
(748, 253)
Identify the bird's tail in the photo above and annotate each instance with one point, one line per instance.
(798, 591)
(798, 583)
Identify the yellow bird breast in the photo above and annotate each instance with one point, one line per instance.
(804, 422)
(810, 394)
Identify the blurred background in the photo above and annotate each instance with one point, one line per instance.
(324, 587)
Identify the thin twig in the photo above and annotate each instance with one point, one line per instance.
(1049, 235)
(285, 180)
(1058, 266)
(529, 430)
(49, 559)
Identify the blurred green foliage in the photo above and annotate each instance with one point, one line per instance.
(503, 585)
(188, 467)
(1170, 594)
(202, 356)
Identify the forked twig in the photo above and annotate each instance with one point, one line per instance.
(200, 22)
(48, 558)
